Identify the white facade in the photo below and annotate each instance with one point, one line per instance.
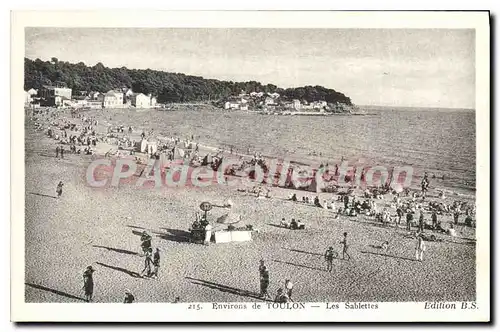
(231, 106)
(48, 92)
(140, 100)
(113, 99)
(27, 98)
(296, 104)
(269, 101)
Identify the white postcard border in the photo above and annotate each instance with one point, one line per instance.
(410, 311)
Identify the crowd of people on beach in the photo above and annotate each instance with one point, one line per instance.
(417, 208)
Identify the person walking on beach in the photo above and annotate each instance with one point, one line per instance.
(57, 151)
(420, 248)
(264, 284)
(129, 298)
(329, 259)
(156, 263)
(59, 189)
(147, 263)
(344, 247)
(88, 283)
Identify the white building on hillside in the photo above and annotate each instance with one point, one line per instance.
(140, 100)
(112, 99)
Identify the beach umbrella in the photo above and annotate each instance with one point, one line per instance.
(228, 219)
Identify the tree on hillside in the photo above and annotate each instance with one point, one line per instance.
(168, 87)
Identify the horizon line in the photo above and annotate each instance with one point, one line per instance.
(425, 107)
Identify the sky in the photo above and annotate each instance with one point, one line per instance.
(388, 67)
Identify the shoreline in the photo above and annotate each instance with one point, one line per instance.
(89, 226)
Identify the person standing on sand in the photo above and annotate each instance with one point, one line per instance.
(264, 283)
(344, 247)
(156, 263)
(59, 189)
(262, 267)
(147, 263)
(289, 288)
(421, 221)
(434, 219)
(346, 201)
(57, 151)
(456, 214)
(62, 152)
(208, 234)
(145, 242)
(420, 248)
(88, 283)
(409, 220)
(399, 212)
(329, 259)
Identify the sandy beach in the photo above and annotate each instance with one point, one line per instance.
(99, 227)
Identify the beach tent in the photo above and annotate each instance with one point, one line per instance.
(164, 161)
(144, 145)
(207, 160)
(152, 147)
(178, 153)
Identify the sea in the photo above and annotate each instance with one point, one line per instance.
(441, 142)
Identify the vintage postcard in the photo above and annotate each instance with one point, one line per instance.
(250, 166)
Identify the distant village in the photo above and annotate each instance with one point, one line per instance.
(63, 97)
(274, 103)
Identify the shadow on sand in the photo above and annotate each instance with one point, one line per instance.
(278, 226)
(387, 255)
(60, 293)
(175, 235)
(224, 288)
(121, 251)
(305, 252)
(138, 227)
(299, 265)
(468, 243)
(130, 273)
(43, 195)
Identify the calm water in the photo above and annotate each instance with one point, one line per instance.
(441, 142)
